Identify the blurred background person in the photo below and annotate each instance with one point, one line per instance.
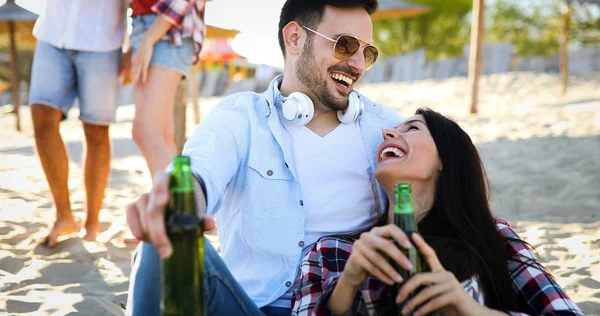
(166, 39)
(77, 56)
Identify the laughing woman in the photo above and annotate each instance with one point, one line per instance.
(479, 264)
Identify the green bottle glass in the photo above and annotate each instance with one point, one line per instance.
(183, 293)
(404, 217)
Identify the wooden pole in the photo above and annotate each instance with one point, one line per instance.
(180, 115)
(16, 78)
(475, 54)
(564, 54)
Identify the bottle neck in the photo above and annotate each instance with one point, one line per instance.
(404, 211)
(182, 179)
(181, 187)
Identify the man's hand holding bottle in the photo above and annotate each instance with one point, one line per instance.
(146, 218)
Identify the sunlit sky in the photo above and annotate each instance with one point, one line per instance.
(256, 20)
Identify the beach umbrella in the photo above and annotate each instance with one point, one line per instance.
(218, 50)
(16, 20)
(564, 54)
(392, 9)
(217, 32)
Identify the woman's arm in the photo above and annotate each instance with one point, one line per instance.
(157, 30)
(320, 269)
(368, 258)
(536, 290)
(342, 297)
(333, 272)
(440, 290)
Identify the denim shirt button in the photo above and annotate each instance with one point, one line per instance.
(288, 283)
(301, 203)
(301, 244)
(270, 173)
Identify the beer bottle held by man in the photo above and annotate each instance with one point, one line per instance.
(182, 272)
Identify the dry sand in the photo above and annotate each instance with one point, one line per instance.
(541, 151)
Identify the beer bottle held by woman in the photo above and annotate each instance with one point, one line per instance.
(183, 293)
(404, 217)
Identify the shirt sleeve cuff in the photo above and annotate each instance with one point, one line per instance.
(201, 182)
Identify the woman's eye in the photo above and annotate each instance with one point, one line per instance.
(412, 127)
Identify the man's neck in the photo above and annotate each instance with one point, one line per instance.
(324, 120)
(323, 123)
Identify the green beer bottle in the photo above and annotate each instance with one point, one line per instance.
(404, 217)
(183, 293)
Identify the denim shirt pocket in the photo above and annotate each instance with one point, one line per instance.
(268, 186)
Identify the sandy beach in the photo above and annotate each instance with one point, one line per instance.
(541, 151)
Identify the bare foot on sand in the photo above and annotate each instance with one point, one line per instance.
(63, 226)
(91, 231)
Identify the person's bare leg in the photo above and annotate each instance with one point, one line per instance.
(169, 129)
(55, 163)
(96, 171)
(153, 99)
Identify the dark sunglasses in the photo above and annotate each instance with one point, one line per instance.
(347, 45)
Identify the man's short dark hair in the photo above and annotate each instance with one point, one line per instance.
(310, 12)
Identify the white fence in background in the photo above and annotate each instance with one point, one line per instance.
(410, 67)
(497, 58)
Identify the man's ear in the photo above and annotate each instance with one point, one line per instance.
(293, 38)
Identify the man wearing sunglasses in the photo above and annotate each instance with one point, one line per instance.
(282, 168)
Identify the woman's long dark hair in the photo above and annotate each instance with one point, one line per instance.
(460, 226)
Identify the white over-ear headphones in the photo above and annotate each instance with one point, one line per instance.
(299, 109)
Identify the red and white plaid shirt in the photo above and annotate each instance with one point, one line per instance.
(537, 293)
(187, 17)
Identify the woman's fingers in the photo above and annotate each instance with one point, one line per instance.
(428, 253)
(436, 303)
(393, 231)
(427, 294)
(421, 279)
(135, 72)
(379, 238)
(373, 270)
(145, 71)
(375, 264)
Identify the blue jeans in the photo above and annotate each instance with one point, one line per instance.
(223, 295)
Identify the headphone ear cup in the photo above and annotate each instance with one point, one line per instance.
(354, 110)
(298, 108)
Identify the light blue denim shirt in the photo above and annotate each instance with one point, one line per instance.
(242, 153)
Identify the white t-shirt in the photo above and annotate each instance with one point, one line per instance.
(85, 25)
(333, 173)
(335, 182)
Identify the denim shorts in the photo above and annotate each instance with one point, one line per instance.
(58, 76)
(165, 54)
